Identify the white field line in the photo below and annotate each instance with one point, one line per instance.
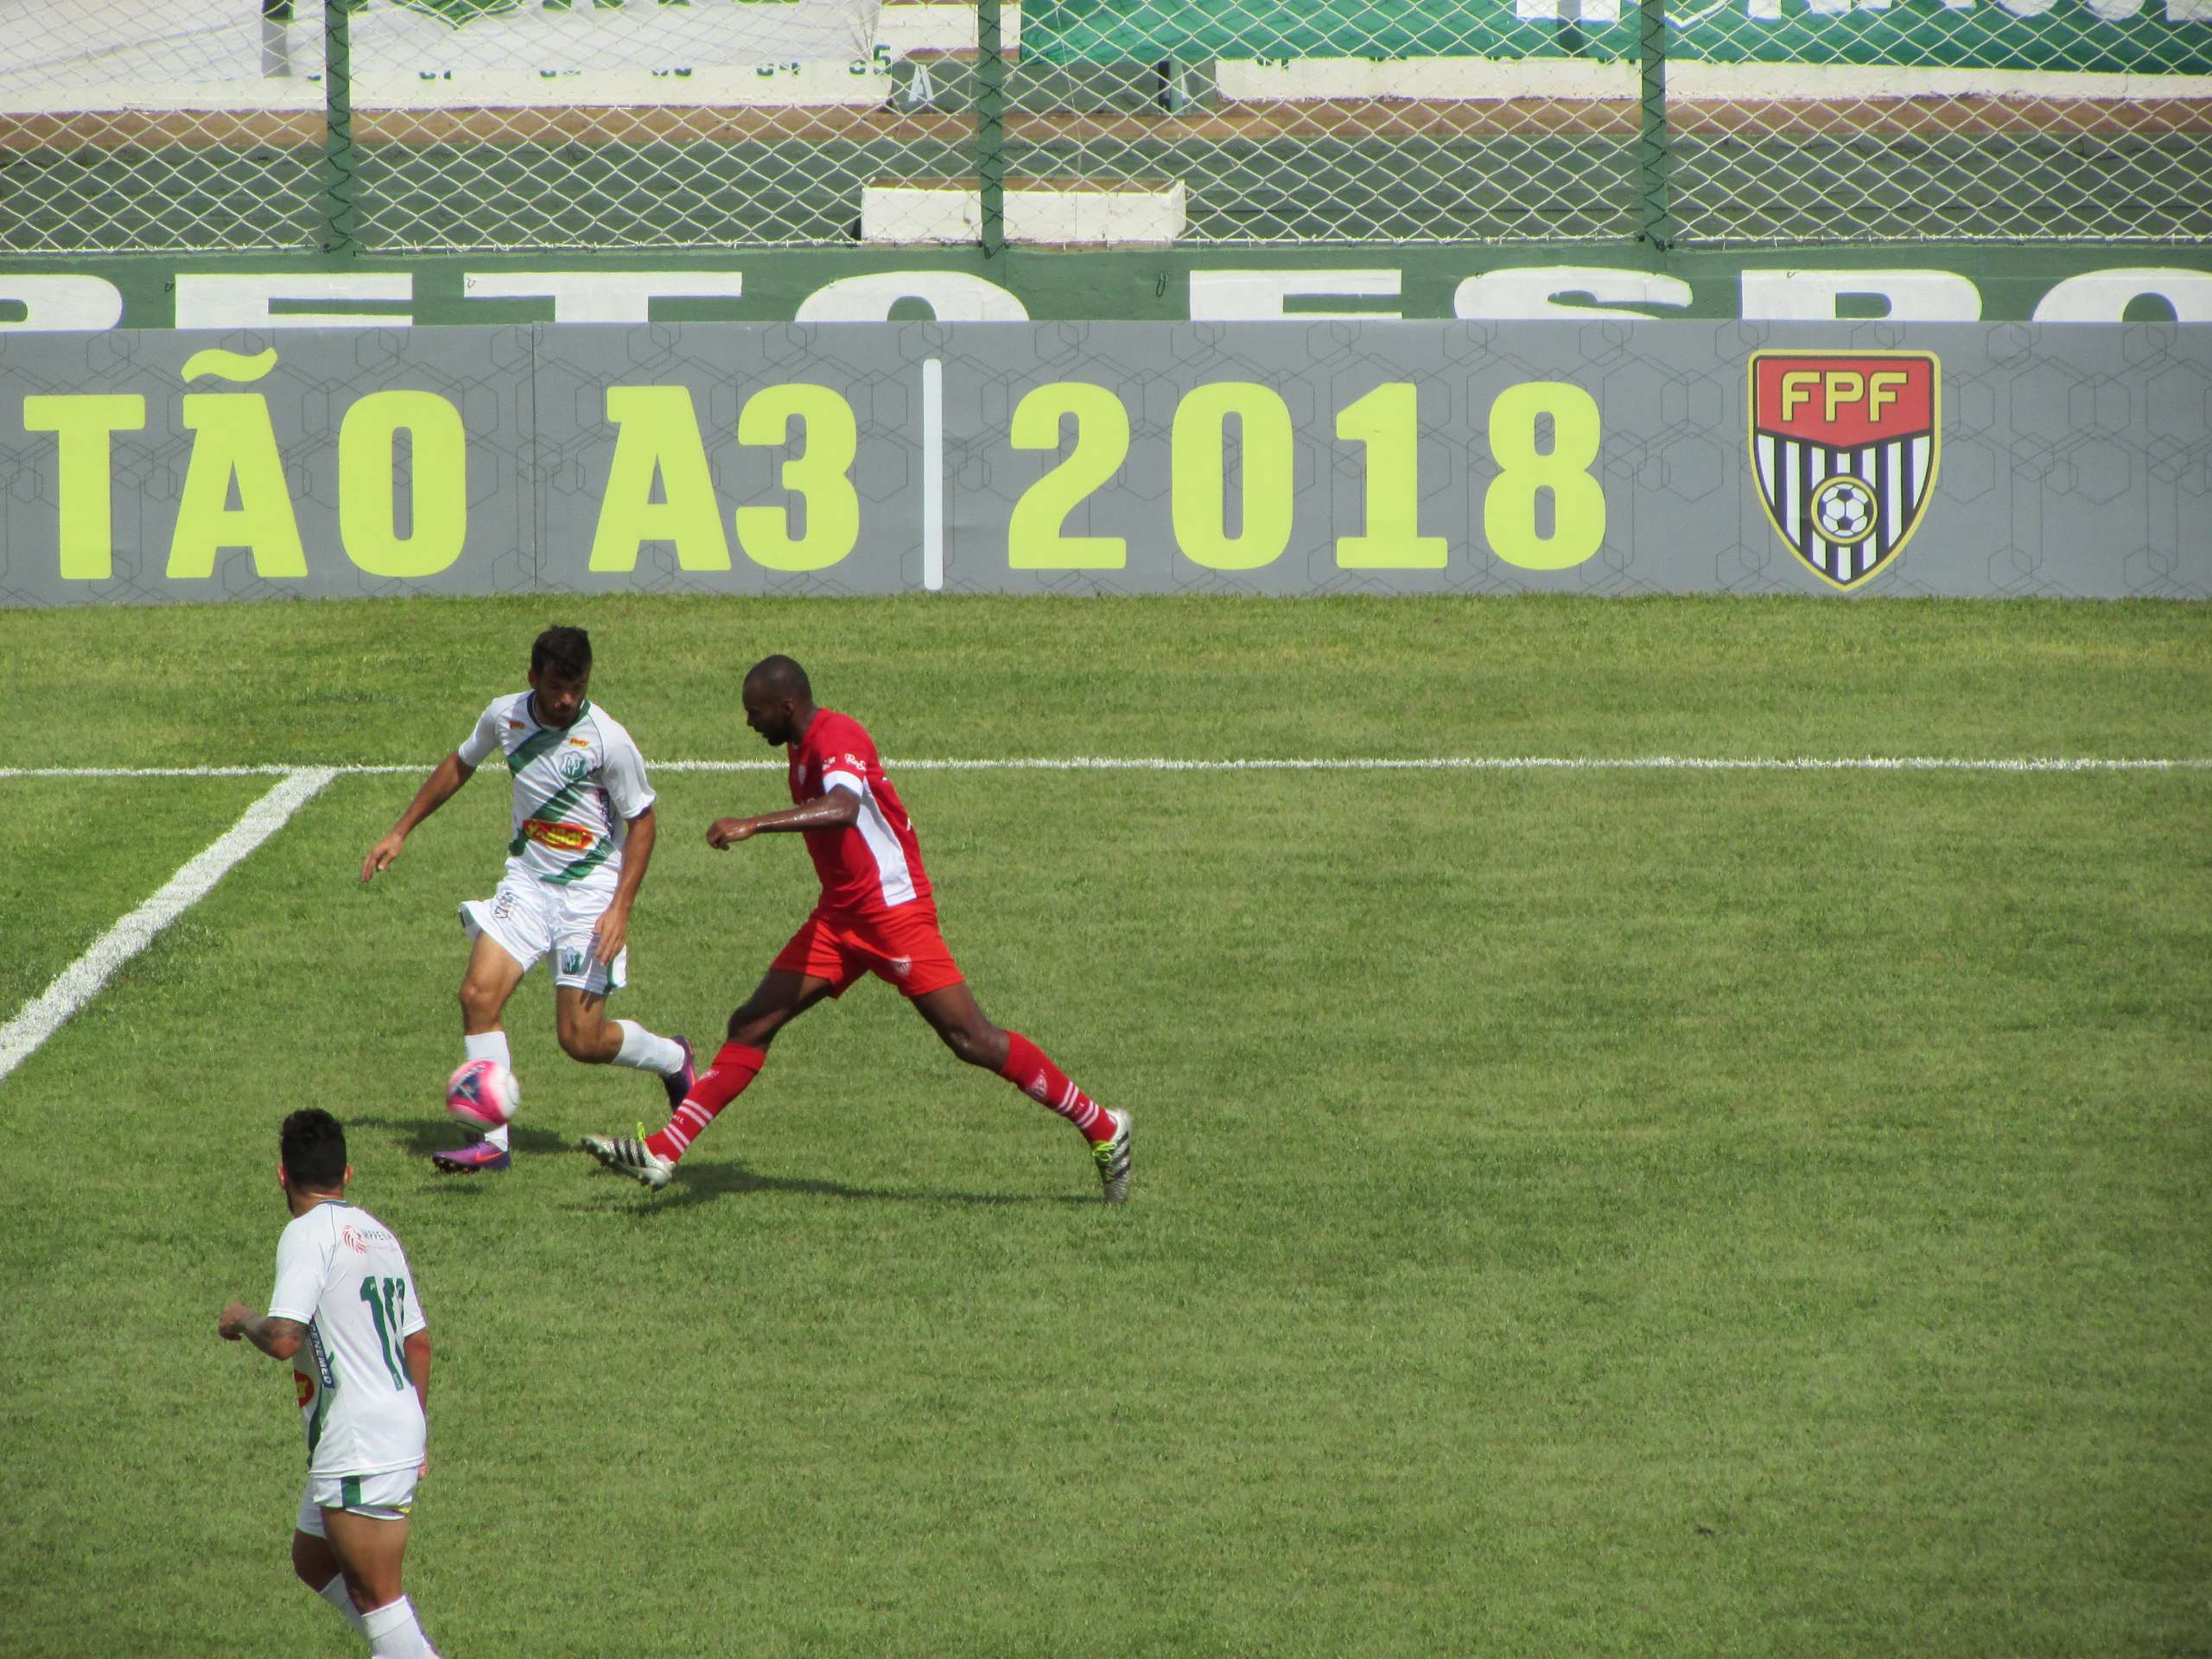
(1435, 763)
(81, 981)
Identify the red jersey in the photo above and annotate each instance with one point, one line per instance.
(875, 864)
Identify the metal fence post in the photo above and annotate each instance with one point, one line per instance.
(1658, 219)
(337, 128)
(990, 126)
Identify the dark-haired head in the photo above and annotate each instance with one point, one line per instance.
(564, 652)
(560, 675)
(312, 1147)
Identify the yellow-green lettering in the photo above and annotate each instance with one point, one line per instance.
(437, 484)
(233, 444)
(1387, 423)
(1198, 476)
(1034, 540)
(820, 475)
(658, 431)
(1577, 499)
(83, 425)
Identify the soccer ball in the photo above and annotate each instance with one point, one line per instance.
(1843, 510)
(483, 1095)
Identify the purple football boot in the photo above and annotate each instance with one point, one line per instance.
(478, 1156)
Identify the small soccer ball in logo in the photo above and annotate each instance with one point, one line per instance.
(483, 1095)
(1843, 510)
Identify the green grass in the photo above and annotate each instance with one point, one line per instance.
(119, 842)
(1591, 1213)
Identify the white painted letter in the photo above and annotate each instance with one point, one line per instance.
(57, 305)
(1257, 295)
(603, 296)
(2103, 295)
(1533, 291)
(951, 296)
(1811, 296)
(241, 300)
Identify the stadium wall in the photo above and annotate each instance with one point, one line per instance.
(1613, 456)
(1926, 283)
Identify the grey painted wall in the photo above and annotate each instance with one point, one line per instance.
(1604, 457)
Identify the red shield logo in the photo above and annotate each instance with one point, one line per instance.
(1845, 448)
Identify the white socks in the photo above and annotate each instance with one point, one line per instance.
(393, 1633)
(336, 1594)
(643, 1052)
(490, 1046)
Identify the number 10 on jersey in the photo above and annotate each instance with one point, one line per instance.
(1544, 510)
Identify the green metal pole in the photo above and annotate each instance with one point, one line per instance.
(990, 126)
(337, 128)
(1658, 218)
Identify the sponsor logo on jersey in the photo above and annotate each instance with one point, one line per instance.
(580, 742)
(562, 837)
(304, 1385)
(1844, 448)
(351, 1239)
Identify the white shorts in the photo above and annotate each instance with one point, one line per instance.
(528, 918)
(387, 1496)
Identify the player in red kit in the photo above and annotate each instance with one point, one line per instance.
(875, 916)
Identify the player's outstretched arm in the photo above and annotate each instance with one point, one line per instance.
(445, 780)
(278, 1338)
(611, 931)
(835, 810)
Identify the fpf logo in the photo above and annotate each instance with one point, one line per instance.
(1845, 448)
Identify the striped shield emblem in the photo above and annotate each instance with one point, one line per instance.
(1845, 448)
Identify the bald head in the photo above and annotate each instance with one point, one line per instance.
(779, 701)
(780, 679)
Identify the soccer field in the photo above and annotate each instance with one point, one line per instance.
(1629, 1209)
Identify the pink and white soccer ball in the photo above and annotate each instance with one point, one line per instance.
(483, 1095)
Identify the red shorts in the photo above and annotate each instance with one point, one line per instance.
(902, 947)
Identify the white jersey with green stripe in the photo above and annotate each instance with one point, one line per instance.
(340, 1273)
(577, 788)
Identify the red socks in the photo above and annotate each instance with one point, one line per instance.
(733, 1067)
(1029, 1069)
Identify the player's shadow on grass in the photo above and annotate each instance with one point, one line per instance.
(704, 1183)
(421, 1136)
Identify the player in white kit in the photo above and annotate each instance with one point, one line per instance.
(344, 1311)
(583, 834)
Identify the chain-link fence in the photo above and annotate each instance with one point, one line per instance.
(390, 125)
(117, 136)
(2087, 120)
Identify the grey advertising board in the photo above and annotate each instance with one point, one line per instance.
(1336, 456)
